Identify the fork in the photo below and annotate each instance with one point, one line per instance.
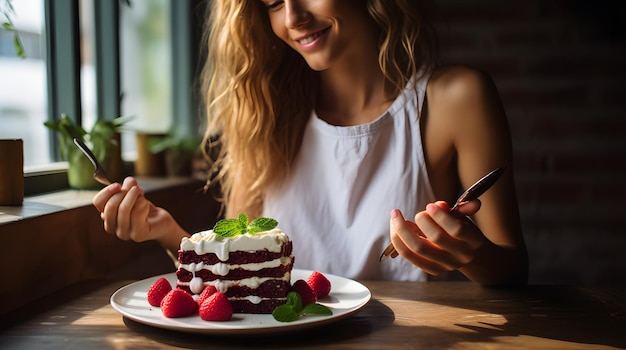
(99, 175)
(473, 192)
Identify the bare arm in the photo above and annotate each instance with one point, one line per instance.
(465, 136)
(482, 142)
(130, 216)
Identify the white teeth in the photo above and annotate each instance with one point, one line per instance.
(309, 38)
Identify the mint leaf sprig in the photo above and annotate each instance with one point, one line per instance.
(293, 309)
(240, 226)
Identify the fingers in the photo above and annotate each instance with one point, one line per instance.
(442, 230)
(438, 241)
(102, 197)
(139, 228)
(452, 231)
(110, 213)
(468, 208)
(115, 202)
(128, 183)
(131, 213)
(411, 227)
(412, 245)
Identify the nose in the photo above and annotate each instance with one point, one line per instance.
(297, 13)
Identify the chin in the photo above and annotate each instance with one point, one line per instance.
(317, 66)
(316, 61)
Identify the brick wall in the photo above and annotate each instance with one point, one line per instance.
(560, 68)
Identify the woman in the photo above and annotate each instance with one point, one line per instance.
(328, 114)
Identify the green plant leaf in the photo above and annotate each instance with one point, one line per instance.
(119, 122)
(7, 11)
(19, 48)
(174, 142)
(243, 220)
(100, 138)
(292, 310)
(293, 299)
(261, 225)
(316, 309)
(228, 228)
(284, 313)
(240, 226)
(67, 130)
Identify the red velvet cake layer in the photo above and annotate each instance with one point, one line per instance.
(234, 274)
(264, 307)
(234, 258)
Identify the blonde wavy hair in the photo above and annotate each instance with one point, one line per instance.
(259, 93)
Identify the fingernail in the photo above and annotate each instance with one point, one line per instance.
(431, 208)
(137, 189)
(394, 213)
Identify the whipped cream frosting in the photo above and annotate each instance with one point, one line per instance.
(222, 269)
(208, 242)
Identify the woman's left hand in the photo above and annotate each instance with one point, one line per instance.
(438, 241)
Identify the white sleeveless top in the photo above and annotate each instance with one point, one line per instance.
(345, 181)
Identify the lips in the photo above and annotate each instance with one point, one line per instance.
(310, 38)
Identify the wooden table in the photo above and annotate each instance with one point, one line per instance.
(431, 315)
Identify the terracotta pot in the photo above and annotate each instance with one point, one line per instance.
(148, 163)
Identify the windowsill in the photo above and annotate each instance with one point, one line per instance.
(53, 202)
(62, 234)
(45, 204)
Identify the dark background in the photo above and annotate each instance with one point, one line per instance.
(560, 70)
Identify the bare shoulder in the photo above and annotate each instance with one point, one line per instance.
(464, 97)
(465, 130)
(461, 87)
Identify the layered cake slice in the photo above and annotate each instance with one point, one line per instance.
(249, 262)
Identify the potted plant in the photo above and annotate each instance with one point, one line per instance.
(104, 142)
(178, 150)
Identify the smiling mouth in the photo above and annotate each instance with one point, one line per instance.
(309, 39)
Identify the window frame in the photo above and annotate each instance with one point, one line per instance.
(63, 66)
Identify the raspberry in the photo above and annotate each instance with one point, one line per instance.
(178, 303)
(206, 293)
(216, 307)
(305, 291)
(158, 290)
(319, 283)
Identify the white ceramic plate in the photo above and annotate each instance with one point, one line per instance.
(346, 297)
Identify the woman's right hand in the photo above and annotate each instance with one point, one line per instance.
(129, 215)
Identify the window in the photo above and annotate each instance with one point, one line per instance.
(145, 42)
(96, 59)
(23, 97)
